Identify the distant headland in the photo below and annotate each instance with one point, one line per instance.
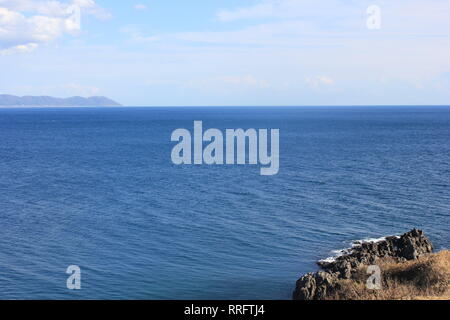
(7, 100)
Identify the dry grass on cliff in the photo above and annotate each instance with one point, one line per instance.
(425, 279)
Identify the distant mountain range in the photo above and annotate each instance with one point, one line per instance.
(46, 101)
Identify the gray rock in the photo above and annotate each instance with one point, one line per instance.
(409, 246)
(315, 286)
(318, 285)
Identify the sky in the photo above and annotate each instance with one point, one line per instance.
(228, 52)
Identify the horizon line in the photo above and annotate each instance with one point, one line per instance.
(227, 106)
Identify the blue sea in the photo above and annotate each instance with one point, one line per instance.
(95, 187)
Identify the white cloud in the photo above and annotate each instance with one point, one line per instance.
(306, 23)
(279, 33)
(140, 6)
(401, 16)
(229, 82)
(89, 7)
(55, 8)
(17, 30)
(19, 49)
(311, 50)
(285, 9)
(442, 82)
(319, 81)
(247, 80)
(24, 24)
(49, 8)
(136, 34)
(261, 10)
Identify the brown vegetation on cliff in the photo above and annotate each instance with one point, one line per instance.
(426, 278)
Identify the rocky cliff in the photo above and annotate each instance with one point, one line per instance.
(323, 284)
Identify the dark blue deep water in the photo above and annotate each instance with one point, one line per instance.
(96, 188)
